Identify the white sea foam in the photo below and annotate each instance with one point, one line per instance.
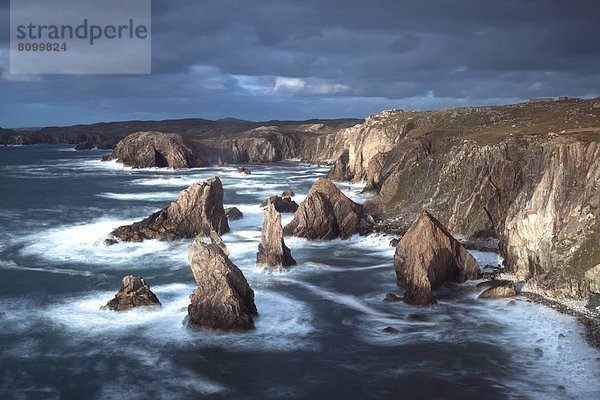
(177, 181)
(85, 244)
(284, 323)
(46, 269)
(151, 196)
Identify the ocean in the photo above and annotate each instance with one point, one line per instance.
(319, 334)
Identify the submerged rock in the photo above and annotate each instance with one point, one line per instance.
(134, 292)
(390, 330)
(245, 170)
(282, 204)
(197, 210)
(156, 149)
(327, 214)
(223, 299)
(392, 298)
(426, 257)
(272, 250)
(233, 213)
(500, 290)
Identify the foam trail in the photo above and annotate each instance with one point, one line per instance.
(152, 196)
(47, 269)
(352, 303)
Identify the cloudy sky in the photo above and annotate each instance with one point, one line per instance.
(301, 59)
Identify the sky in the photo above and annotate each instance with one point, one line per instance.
(303, 59)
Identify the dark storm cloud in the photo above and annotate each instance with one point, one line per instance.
(303, 59)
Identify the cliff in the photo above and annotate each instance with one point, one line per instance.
(525, 174)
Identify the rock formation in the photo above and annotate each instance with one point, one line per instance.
(156, 149)
(498, 289)
(282, 204)
(216, 239)
(244, 170)
(134, 292)
(426, 257)
(272, 250)
(197, 210)
(327, 214)
(233, 214)
(288, 193)
(223, 299)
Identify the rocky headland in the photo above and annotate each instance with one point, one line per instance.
(153, 149)
(525, 177)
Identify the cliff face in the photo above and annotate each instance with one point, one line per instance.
(527, 175)
(552, 230)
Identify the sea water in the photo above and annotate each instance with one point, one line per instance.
(320, 330)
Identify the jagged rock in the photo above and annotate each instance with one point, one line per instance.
(233, 214)
(85, 145)
(134, 292)
(426, 257)
(282, 204)
(245, 170)
(110, 242)
(327, 214)
(492, 284)
(392, 298)
(272, 250)
(156, 149)
(394, 242)
(223, 299)
(197, 210)
(340, 170)
(499, 290)
(216, 240)
(288, 193)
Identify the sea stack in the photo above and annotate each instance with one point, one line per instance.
(223, 299)
(272, 250)
(197, 210)
(327, 214)
(134, 292)
(156, 149)
(427, 256)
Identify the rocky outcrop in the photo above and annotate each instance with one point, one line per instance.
(526, 175)
(327, 213)
(233, 214)
(197, 211)
(498, 289)
(552, 229)
(134, 292)
(288, 193)
(428, 256)
(223, 299)
(282, 204)
(156, 149)
(272, 250)
(340, 171)
(244, 170)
